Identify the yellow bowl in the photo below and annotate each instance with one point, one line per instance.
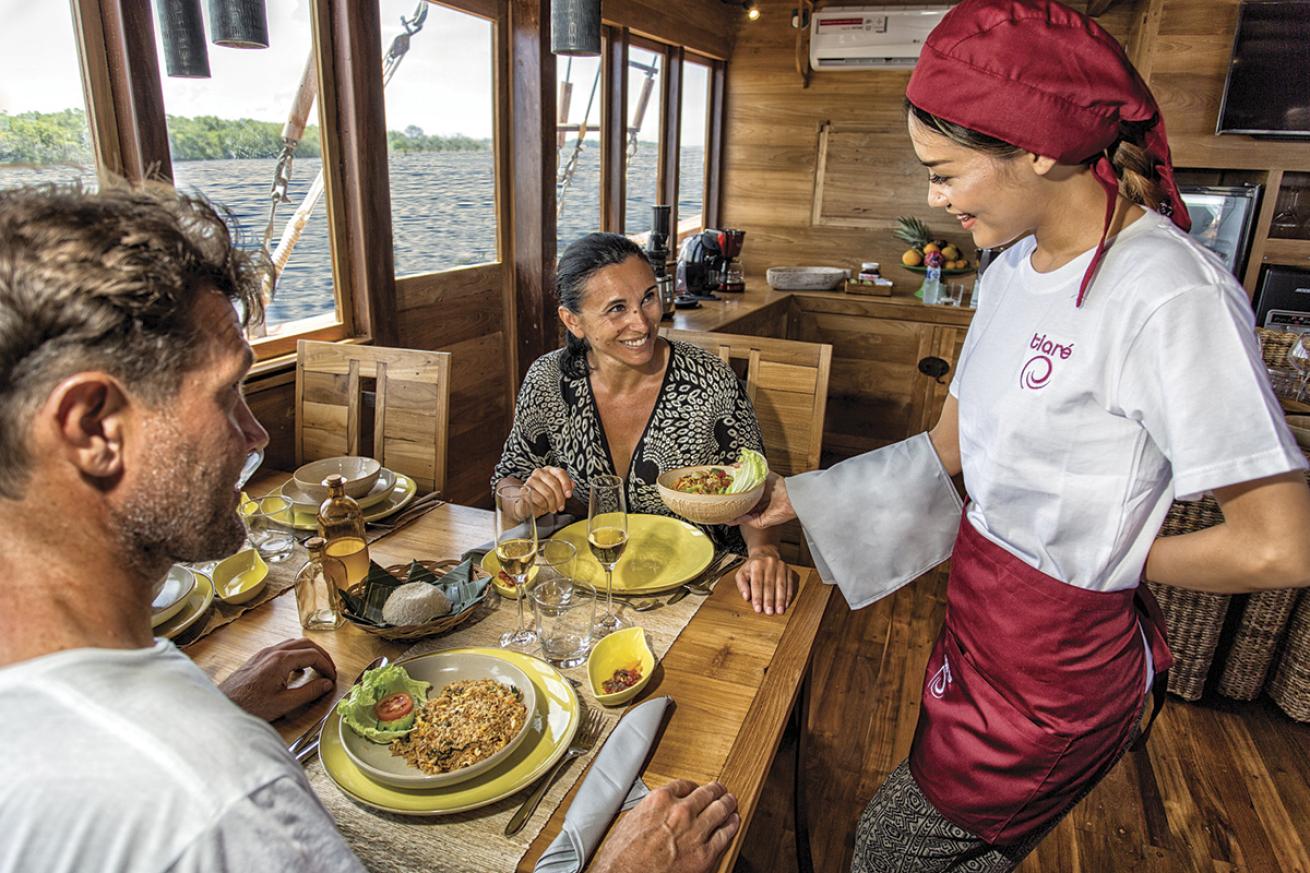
(705, 508)
(240, 578)
(620, 649)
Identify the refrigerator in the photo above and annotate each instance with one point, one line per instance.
(1222, 219)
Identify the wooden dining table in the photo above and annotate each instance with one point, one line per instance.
(735, 675)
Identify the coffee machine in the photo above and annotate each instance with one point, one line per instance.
(709, 263)
(657, 252)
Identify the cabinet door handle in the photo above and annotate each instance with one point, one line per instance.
(935, 367)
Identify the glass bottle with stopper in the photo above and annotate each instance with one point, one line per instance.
(341, 525)
(318, 599)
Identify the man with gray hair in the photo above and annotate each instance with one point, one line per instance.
(122, 358)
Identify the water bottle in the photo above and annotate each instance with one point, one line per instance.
(932, 285)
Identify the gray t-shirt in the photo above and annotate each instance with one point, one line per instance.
(132, 760)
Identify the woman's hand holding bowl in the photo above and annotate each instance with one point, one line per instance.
(549, 488)
(766, 582)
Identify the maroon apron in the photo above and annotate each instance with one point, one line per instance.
(1032, 691)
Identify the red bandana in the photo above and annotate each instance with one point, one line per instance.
(1047, 79)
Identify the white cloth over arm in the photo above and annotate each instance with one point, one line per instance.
(879, 520)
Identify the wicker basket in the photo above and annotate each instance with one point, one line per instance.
(439, 625)
(1194, 619)
(1274, 345)
(1246, 665)
(1290, 687)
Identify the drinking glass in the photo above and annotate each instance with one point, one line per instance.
(516, 550)
(952, 294)
(1299, 357)
(565, 612)
(607, 536)
(271, 528)
(554, 562)
(1288, 221)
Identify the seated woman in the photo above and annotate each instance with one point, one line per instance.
(620, 400)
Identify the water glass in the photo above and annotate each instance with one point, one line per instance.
(952, 294)
(271, 528)
(554, 562)
(565, 611)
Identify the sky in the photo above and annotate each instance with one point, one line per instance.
(444, 85)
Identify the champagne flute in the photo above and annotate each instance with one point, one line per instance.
(516, 550)
(607, 535)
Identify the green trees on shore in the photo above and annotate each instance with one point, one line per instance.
(62, 138)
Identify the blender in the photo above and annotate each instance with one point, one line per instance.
(657, 252)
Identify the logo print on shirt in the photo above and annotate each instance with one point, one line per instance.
(1037, 370)
(941, 680)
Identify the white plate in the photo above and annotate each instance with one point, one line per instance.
(194, 607)
(292, 491)
(178, 585)
(376, 760)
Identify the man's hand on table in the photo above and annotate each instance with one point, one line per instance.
(262, 686)
(678, 828)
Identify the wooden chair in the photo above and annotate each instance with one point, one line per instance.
(411, 407)
(787, 382)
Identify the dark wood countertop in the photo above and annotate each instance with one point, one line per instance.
(759, 299)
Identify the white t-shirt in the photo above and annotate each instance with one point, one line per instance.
(132, 760)
(1079, 426)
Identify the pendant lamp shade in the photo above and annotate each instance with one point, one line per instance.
(575, 27)
(183, 33)
(239, 23)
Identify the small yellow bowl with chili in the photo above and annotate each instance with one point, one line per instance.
(622, 663)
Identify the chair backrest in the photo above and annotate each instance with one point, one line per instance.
(411, 409)
(787, 381)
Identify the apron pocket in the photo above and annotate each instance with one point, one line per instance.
(977, 757)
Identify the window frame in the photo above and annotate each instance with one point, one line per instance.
(123, 91)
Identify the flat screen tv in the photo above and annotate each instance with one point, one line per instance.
(1268, 87)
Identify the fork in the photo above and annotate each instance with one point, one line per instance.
(581, 745)
(703, 584)
(302, 742)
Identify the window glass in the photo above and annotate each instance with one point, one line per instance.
(225, 137)
(577, 187)
(693, 136)
(43, 127)
(440, 109)
(641, 190)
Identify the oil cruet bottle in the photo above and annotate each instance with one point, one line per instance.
(317, 598)
(341, 525)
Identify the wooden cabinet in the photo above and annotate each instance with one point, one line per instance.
(877, 393)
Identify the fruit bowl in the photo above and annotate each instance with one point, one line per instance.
(945, 272)
(705, 508)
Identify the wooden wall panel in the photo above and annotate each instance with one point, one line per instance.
(462, 312)
(772, 135)
(705, 26)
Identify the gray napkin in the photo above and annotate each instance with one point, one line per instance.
(546, 525)
(879, 520)
(608, 784)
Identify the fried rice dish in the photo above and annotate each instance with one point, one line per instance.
(468, 722)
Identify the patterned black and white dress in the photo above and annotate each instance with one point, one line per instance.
(702, 416)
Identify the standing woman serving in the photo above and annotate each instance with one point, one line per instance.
(1110, 369)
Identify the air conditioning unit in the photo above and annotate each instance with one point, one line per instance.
(864, 37)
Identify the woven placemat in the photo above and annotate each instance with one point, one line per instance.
(475, 842)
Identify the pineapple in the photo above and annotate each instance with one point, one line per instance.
(912, 231)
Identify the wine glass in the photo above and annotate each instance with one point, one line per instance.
(607, 535)
(1299, 357)
(516, 550)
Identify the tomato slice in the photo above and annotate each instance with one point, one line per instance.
(394, 706)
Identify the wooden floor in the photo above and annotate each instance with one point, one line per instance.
(1222, 787)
